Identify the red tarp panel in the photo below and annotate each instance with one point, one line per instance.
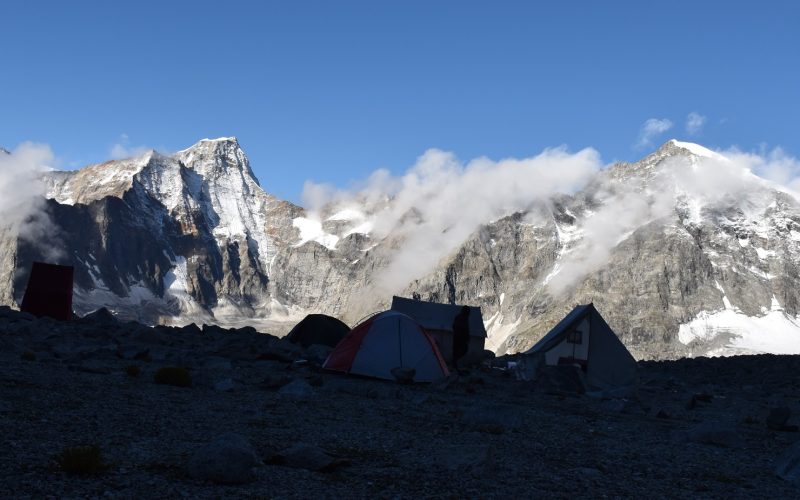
(49, 291)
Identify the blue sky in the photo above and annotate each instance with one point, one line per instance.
(330, 91)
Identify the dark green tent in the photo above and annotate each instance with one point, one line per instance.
(318, 329)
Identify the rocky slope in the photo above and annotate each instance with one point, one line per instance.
(257, 418)
(682, 252)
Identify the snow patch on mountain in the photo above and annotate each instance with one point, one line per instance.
(311, 230)
(775, 333)
(498, 329)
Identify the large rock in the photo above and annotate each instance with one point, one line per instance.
(229, 459)
(305, 456)
(788, 464)
(714, 433)
(297, 388)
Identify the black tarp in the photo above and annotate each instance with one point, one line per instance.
(318, 329)
(49, 291)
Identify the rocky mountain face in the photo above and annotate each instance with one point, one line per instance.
(682, 252)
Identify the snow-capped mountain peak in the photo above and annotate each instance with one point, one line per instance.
(697, 150)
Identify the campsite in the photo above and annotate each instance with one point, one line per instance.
(261, 417)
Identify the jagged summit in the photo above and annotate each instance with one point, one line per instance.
(4, 150)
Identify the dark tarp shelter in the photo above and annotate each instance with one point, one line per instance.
(49, 291)
(437, 320)
(585, 339)
(318, 329)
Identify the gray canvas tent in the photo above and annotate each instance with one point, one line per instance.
(437, 320)
(584, 338)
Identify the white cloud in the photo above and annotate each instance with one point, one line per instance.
(123, 149)
(23, 208)
(651, 129)
(776, 166)
(440, 201)
(694, 123)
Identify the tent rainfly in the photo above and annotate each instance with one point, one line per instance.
(386, 341)
(49, 291)
(437, 320)
(584, 338)
(318, 329)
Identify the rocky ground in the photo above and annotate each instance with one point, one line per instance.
(259, 419)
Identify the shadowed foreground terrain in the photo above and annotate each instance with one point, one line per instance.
(696, 427)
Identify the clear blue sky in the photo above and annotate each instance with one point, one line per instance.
(332, 90)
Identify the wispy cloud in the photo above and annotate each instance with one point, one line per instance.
(123, 149)
(651, 129)
(694, 123)
(440, 201)
(23, 209)
(776, 166)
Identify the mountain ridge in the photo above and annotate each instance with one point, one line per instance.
(656, 244)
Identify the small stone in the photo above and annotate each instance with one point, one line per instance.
(94, 367)
(224, 385)
(661, 413)
(590, 472)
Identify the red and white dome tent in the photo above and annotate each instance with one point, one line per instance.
(386, 341)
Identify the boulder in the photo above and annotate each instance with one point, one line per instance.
(297, 388)
(788, 464)
(229, 459)
(305, 456)
(101, 316)
(318, 353)
(281, 350)
(714, 433)
(777, 420)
